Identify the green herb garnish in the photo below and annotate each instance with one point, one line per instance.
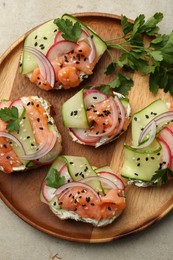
(162, 176)
(70, 31)
(11, 115)
(156, 59)
(54, 179)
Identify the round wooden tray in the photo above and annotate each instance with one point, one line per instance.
(20, 191)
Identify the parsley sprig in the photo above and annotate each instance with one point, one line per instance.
(70, 31)
(162, 176)
(156, 59)
(11, 116)
(54, 179)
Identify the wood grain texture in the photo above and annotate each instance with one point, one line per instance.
(20, 191)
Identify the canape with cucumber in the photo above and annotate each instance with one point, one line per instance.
(61, 53)
(73, 189)
(96, 115)
(28, 135)
(149, 160)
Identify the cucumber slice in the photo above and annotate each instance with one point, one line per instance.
(144, 116)
(26, 137)
(78, 168)
(101, 46)
(74, 113)
(41, 38)
(141, 165)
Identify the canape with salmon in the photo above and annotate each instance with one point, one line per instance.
(96, 115)
(61, 53)
(149, 159)
(28, 135)
(73, 189)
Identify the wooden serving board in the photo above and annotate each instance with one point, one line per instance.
(20, 191)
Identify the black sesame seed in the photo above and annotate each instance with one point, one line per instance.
(135, 118)
(45, 38)
(55, 30)
(146, 159)
(50, 123)
(77, 62)
(37, 105)
(92, 204)
(41, 128)
(60, 203)
(38, 119)
(138, 164)
(109, 208)
(54, 203)
(85, 59)
(92, 36)
(83, 205)
(8, 157)
(153, 158)
(32, 144)
(71, 162)
(4, 146)
(158, 154)
(28, 103)
(35, 37)
(35, 44)
(76, 174)
(32, 103)
(136, 174)
(138, 159)
(147, 116)
(87, 199)
(94, 97)
(28, 137)
(71, 113)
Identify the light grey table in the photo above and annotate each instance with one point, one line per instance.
(18, 240)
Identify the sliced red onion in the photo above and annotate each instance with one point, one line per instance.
(64, 188)
(92, 54)
(14, 139)
(82, 135)
(112, 177)
(110, 129)
(164, 117)
(103, 180)
(42, 150)
(152, 134)
(122, 112)
(46, 68)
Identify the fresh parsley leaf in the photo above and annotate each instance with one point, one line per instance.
(110, 68)
(150, 27)
(122, 84)
(54, 179)
(126, 25)
(162, 176)
(69, 30)
(11, 116)
(105, 89)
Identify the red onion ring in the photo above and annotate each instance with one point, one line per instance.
(46, 68)
(164, 117)
(64, 188)
(110, 183)
(14, 139)
(122, 111)
(43, 149)
(152, 131)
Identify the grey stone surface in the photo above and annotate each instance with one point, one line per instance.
(20, 241)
